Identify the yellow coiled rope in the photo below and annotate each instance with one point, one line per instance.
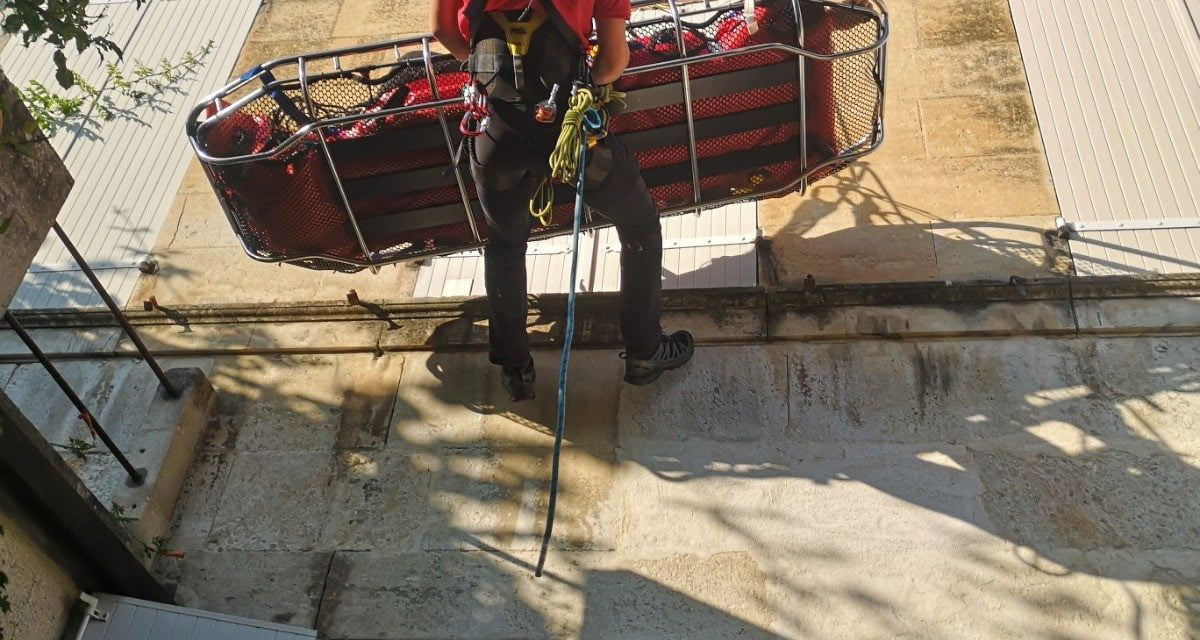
(564, 159)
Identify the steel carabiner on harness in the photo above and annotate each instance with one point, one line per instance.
(475, 121)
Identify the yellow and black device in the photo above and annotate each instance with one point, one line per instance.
(517, 35)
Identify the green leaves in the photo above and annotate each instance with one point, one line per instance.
(5, 223)
(51, 109)
(60, 23)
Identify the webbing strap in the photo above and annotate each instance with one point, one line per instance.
(476, 9)
(561, 23)
(285, 103)
(474, 13)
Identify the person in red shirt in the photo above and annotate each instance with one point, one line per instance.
(510, 158)
(452, 28)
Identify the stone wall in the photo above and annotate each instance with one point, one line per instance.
(34, 185)
(40, 591)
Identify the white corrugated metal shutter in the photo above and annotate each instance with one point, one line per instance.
(1116, 87)
(120, 618)
(127, 171)
(712, 249)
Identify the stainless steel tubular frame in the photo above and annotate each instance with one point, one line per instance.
(305, 130)
(337, 179)
(802, 94)
(878, 13)
(688, 108)
(427, 56)
(881, 72)
(194, 124)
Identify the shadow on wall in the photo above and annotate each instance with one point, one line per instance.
(1070, 452)
(1044, 462)
(65, 287)
(748, 498)
(850, 228)
(435, 496)
(759, 477)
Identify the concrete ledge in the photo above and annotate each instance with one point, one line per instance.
(1045, 307)
(160, 435)
(102, 554)
(168, 434)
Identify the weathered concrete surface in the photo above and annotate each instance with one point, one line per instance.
(1041, 307)
(33, 189)
(960, 189)
(200, 257)
(158, 434)
(39, 591)
(1032, 488)
(166, 444)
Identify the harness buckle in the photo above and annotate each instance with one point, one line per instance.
(517, 35)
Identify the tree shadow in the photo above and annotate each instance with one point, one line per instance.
(428, 490)
(851, 228)
(396, 482)
(1040, 488)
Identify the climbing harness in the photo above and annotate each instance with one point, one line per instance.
(573, 143)
(517, 35)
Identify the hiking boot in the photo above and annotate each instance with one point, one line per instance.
(673, 352)
(518, 382)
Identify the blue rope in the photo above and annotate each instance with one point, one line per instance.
(568, 336)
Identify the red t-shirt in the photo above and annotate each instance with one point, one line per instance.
(577, 13)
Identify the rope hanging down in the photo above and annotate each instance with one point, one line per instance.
(568, 160)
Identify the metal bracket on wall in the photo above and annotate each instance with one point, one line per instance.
(1067, 229)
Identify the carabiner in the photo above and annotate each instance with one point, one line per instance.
(475, 121)
(473, 126)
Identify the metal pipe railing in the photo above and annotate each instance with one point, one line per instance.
(194, 123)
(136, 476)
(168, 386)
(333, 171)
(688, 107)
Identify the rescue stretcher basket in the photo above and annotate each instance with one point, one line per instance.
(350, 159)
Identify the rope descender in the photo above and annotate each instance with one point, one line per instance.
(546, 111)
(475, 121)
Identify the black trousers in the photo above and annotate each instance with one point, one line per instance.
(508, 163)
